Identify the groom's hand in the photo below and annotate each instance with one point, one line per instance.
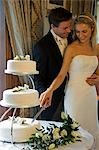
(93, 80)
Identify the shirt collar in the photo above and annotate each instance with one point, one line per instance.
(56, 37)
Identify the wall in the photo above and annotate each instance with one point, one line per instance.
(98, 21)
(2, 49)
(2, 55)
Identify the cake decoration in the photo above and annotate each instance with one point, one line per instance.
(18, 120)
(20, 88)
(53, 136)
(20, 57)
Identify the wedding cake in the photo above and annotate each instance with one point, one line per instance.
(22, 129)
(21, 64)
(19, 129)
(20, 97)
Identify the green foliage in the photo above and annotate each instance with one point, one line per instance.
(53, 136)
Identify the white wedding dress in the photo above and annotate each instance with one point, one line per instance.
(81, 99)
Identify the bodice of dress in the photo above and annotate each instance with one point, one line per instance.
(80, 96)
(82, 66)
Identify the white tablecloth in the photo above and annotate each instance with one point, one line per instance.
(86, 143)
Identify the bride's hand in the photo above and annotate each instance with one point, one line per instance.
(46, 98)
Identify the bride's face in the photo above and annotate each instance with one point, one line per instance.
(83, 32)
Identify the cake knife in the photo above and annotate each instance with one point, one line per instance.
(38, 113)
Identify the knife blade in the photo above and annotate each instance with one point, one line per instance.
(37, 114)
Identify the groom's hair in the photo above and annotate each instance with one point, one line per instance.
(58, 15)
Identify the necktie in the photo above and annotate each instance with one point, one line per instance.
(62, 46)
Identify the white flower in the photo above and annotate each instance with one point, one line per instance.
(56, 136)
(56, 133)
(75, 125)
(69, 142)
(26, 86)
(39, 134)
(21, 57)
(15, 89)
(45, 137)
(51, 146)
(79, 134)
(16, 57)
(63, 133)
(20, 88)
(55, 130)
(27, 57)
(20, 120)
(63, 115)
(76, 133)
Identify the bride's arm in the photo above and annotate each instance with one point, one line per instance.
(46, 97)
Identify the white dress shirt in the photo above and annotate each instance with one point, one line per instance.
(61, 42)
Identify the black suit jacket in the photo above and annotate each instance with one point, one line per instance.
(49, 61)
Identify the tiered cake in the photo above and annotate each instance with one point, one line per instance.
(22, 65)
(19, 97)
(22, 129)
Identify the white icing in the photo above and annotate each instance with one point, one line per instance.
(29, 97)
(21, 132)
(21, 66)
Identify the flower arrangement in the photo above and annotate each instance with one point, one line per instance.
(18, 120)
(20, 57)
(20, 88)
(54, 136)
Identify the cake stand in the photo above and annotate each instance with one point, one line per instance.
(13, 106)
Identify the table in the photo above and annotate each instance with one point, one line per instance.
(87, 142)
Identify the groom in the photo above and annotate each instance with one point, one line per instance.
(48, 53)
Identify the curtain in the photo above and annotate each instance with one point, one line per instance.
(79, 6)
(74, 6)
(24, 22)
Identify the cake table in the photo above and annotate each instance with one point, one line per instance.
(87, 141)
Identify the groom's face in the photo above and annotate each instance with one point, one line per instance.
(63, 29)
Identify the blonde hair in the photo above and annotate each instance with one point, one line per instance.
(88, 19)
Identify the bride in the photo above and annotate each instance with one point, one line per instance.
(81, 61)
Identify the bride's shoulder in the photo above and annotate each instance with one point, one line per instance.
(72, 48)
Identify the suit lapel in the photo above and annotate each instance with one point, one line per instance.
(55, 49)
